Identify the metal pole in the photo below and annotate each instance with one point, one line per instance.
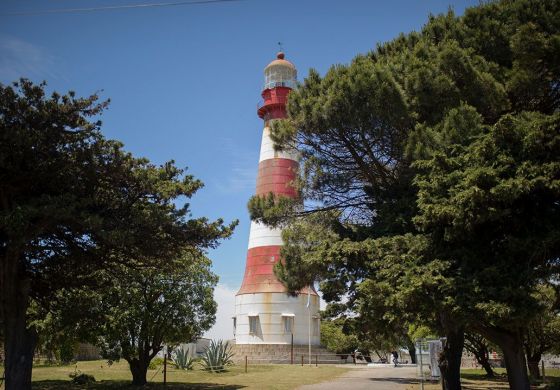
(316, 358)
(165, 367)
(302, 360)
(292, 349)
(543, 374)
(245, 364)
(421, 368)
(309, 327)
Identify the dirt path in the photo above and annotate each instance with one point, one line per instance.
(370, 378)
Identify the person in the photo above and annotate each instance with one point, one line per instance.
(395, 357)
(357, 355)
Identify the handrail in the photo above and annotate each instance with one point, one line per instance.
(283, 83)
(261, 103)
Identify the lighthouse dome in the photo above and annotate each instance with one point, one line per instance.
(280, 73)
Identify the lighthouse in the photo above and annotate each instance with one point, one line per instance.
(264, 312)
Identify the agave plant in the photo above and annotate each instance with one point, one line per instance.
(182, 359)
(217, 356)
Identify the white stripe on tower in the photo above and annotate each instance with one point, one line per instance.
(268, 152)
(262, 235)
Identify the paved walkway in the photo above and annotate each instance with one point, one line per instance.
(370, 378)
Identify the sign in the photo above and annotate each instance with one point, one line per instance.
(435, 347)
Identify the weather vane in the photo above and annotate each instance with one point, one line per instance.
(280, 46)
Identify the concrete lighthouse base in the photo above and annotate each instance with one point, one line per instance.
(267, 323)
(276, 318)
(283, 354)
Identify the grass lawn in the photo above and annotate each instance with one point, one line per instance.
(473, 379)
(117, 376)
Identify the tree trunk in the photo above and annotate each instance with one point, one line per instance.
(533, 361)
(511, 344)
(514, 356)
(139, 370)
(19, 340)
(450, 358)
(477, 345)
(19, 347)
(487, 367)
(379, 355)
(481, 356)
(412, 352)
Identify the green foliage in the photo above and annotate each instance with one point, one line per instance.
(479, 347)
(155, 363)
(217, 356)
(79, 378)
(141, 311)
(182, 359)
(335, 340)
(553, 386)
(65, 352)
(112, 204)
(496, 202)
(416, 332)
(271, 208)
(79, 215)
(543, 332)
(301, 264)
(83, 379)
(430, 178)
(53, 342)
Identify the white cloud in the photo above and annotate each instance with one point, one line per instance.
(223, 328)
(19, 58)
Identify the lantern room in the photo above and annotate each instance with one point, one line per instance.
(279, 79)
(280, 73)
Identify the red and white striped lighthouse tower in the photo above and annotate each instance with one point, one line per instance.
(264, 312)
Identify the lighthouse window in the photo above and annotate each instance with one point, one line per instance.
(316, 326)
(288, 324)
(253, 322)
(279, 76)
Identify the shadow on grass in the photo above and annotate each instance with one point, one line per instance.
(483, 377)
(103, 385)
(403, 381)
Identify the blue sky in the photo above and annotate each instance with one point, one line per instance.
(184, 81)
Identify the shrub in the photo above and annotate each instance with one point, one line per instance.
(83, 379)
(155, 363)
(79, 378)
(182, 359)
(66, 351)
(217, 356)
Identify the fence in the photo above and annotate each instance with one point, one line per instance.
(299, 359)
(289, 359)
(317, 359)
